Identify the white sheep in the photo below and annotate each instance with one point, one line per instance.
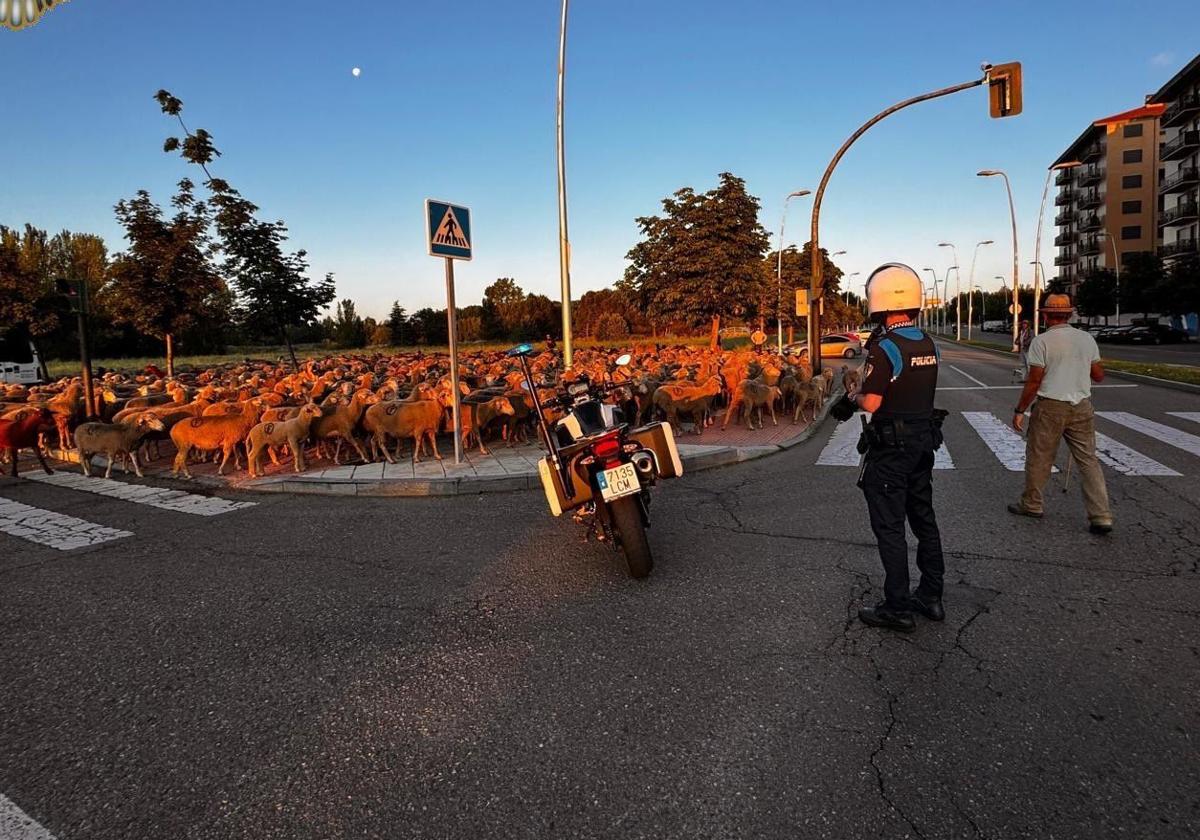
(293, 432)
(113, 439)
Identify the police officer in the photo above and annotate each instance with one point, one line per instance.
(898, 387)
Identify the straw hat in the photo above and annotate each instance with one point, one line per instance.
(1058, 303)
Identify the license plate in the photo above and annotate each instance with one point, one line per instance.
(619, 481)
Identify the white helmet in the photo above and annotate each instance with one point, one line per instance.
(894, 287)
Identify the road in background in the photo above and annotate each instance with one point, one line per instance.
(468, 667)
(1183, 353)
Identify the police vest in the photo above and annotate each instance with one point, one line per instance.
(902, 367)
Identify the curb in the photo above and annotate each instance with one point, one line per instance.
(1186, 387)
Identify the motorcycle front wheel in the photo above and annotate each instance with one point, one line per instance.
(627, 522)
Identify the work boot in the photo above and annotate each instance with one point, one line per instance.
(1020, 510)
(1100, 527)
(881, 615)
(929, 606)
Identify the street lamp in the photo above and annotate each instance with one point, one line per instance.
(1012, 212)
(935, 294)
(971, 308)
(564, 243)
(779, 268)
(846, 296)
(971, 278)
(1116, 268)
(957, 289)
(1040, 272)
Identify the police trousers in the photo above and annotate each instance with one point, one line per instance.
(898, 485)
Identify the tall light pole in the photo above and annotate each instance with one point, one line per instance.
(1012, 212)
(957, 289)
(1004, 287)
(564, 244)
(1116, 268)
(971, 276)
(971, 308)
(935, 295)
(779, 269)
(846, 296)
(925, 313)
(1039, 274)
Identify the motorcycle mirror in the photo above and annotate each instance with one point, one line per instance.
(520, 350)
(624, 359)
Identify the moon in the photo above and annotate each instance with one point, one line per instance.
(356, 71)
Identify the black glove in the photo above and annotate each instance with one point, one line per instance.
(843, 409)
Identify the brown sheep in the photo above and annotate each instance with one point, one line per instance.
(694, 400)
(338, 422)
(809, 393)
(113, 440)
(293, 432)
(476, 417)
(418, 419)
(749, 396)
(223, 432)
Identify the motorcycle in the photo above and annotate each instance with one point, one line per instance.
(597, 465)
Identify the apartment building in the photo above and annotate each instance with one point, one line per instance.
(1106, 206)
(1179, 183)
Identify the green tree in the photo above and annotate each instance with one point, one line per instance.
(349, 331)
(701, 260)
(1096, 296)
(1142, 281)
(503, 309)
(429, 326)
(612, 327)
(274, 292)
(397, 324)
(163, 283)
(1181, 291)
(797, 275)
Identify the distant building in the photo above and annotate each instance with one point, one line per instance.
(1106, 206)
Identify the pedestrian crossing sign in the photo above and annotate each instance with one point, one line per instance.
(448, 229)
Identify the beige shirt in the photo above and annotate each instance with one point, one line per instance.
(1067, 355)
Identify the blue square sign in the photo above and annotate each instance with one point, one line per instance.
(448, 229)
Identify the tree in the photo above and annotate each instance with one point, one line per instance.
(349, 331)
(1181, 291)
(274, 292)
(430, 327)
(163, 282)
(397, 324)
(380, 336)
(700, 261)
(540, 317)
(503, 309)
(611, 327)
(1142, 281)
(797, 274)
(1096, 296)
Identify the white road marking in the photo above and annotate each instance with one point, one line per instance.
(841, 449)
(1002, 439)
(173, 500)
(962, 372)
(56, 530)
(942, 459)
(1128, 461)
(1167, 434)
(15, 824)
(1194, 416)
(1010, 387)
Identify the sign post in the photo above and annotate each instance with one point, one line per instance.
(448, 233)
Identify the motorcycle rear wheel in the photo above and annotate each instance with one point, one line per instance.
(627, 522)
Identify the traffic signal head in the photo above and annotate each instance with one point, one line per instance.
(1004, 89)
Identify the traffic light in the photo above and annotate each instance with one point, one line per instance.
(1004, 89)
(74, 291)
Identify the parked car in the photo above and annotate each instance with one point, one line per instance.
(832, 346)
(19, 362)
(1112, 334)
(1152, 334)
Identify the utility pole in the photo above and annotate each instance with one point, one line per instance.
(564, 242)
(76, 292)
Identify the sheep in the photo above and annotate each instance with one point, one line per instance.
(418, 419)
(750, 395)
(809, 393)
(687, 398)
(477, 416)
(339, 421)
(276, 433)
(22, 433)
(826, 382)
(851, 377)
(222, 432)
(114, 439)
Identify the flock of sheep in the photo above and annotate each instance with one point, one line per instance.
(372, 404)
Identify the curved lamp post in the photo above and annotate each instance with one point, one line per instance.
(957, 289)
(779, 268)
(1116, 269)
(1012, 212)
(1039, 275)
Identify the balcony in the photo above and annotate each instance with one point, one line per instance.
(1087, 224)
(1181, 213)
(1088, 247)
(1064, 197)
(1064, 259)
(1092, 153)
(1180, 110)
(1181, 181)
(1062, 178)
(1092, 176)
(1090, 202)
(1178, 247)
(1182, 146)
(1064, 239)
(1066, 217)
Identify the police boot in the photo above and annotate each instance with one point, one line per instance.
(929, 606)
(881, 615)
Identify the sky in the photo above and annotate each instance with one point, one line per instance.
(456, 101)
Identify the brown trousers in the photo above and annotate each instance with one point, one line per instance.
(1051, 422)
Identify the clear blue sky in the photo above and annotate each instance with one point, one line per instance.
(456, 101)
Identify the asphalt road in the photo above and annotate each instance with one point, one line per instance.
(467, 667)
(1183, 353)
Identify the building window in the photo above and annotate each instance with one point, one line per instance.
(1131, 182)
(1131, 207)
(1131, 156)
(1133, 130)
(1131, 232)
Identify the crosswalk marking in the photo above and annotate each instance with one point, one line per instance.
(1167, 434)
(1194, 416)
(15, 824)
(1128, 461)
(841, 450)
(56, 530)
(1003, 440)
(158, 497)
(942, 459)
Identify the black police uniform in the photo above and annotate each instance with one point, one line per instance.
(902, 368)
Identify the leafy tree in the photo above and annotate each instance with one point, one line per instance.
(797, 274)
(1142, 280)
(380, 336)
(1096, 296)
(275, 294)
(429, 326)
(540, 317)
(397, 324)
(349, 331)
(1181, 291)
(611, 327)
(700, 261)
(503, 309)
(163, 283)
